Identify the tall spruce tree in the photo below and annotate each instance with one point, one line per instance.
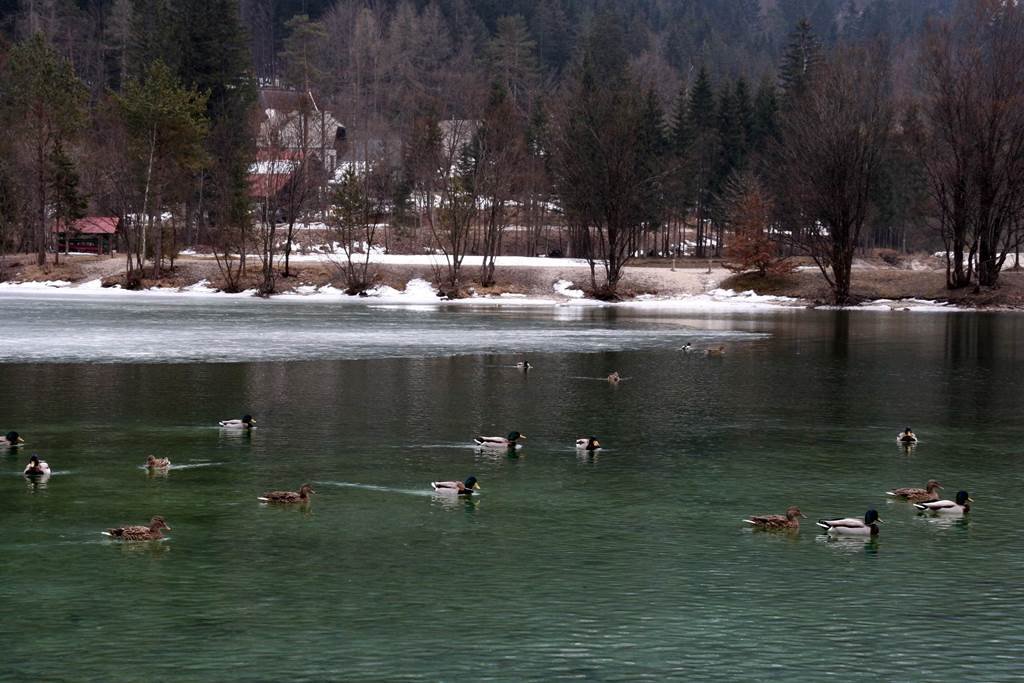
(802, 57)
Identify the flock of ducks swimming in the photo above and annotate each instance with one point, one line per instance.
(36, 469)
(926, 500)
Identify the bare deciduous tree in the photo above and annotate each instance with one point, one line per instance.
(833, 143)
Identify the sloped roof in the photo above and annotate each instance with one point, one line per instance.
(91, 225)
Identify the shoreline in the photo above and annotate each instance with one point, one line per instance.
(420, 293)
(525, 281)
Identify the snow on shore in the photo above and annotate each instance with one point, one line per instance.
(419, 293)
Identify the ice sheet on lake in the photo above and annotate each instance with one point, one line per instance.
(166, 329)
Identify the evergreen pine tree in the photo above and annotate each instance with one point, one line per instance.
(802, 57)
(68, 203)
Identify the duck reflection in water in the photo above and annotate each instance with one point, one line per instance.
(468, 503)
(37, 482)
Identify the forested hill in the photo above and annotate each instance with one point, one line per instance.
(668, 37)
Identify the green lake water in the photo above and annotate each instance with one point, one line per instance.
(630, 564)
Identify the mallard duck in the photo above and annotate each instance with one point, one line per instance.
(929, 492)
(686, 348)
(906, 436)
(614, 378)
(524, 365)
(851, 526)
(36, 467)
(288, 496)
(509, 441)
(11, 439)
(245, 423)
(459, 488)
(715, 353)
(157, 463)
(140, 533)
(961, 505)
(790, 520)
(590, 443)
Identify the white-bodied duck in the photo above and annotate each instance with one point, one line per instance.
(245, 423)
(300, 496)
(589, 443)
(961, 505)
(153, 532)
(929, 492)
(510, 441)
(457, 488)
(36, 467)
(851, 526)
(524, 365)
(787, 522)
(11, 439)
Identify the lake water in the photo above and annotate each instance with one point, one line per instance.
(631, 564)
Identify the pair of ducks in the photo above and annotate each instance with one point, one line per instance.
(925, 499)
(589, 443)
(154, 531)
(715, 352)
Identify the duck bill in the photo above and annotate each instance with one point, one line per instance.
(597, 444)
(970, 500)
(20, 440)
(803, 515)
(476, 487)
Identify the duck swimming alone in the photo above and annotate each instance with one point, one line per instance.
(36, 467)
(960, 506)
(851, 526)
(140, 533)
(510, 441)
(245, 423)
(786, 522)
(11, 439)
(459, 488)
(302, 496)
(929, 492)
(686, 348)
(157, 463)
(524, 365)
(906, 436)
(588, 444)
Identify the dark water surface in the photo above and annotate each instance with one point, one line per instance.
(627, 565)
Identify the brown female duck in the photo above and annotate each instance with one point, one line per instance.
(153, 532)
(928, 493)
(786, 522)
(302, 496)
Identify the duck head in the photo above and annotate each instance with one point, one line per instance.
(13, 438)
(871, 517)
(34, 461)
(150, 460)
(514, 436)
(471, 483)
(793, 512)
(306, 490)
(158, 523)
(962, 498)
(592, 443)
(932, 485)
(247, 419)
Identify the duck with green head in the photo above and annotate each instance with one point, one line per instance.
(245, 423)
(458, 488)
(851, 526)
(510, 441)
(36, 467)
(11, 439)
(589, 443)
(961, 505)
